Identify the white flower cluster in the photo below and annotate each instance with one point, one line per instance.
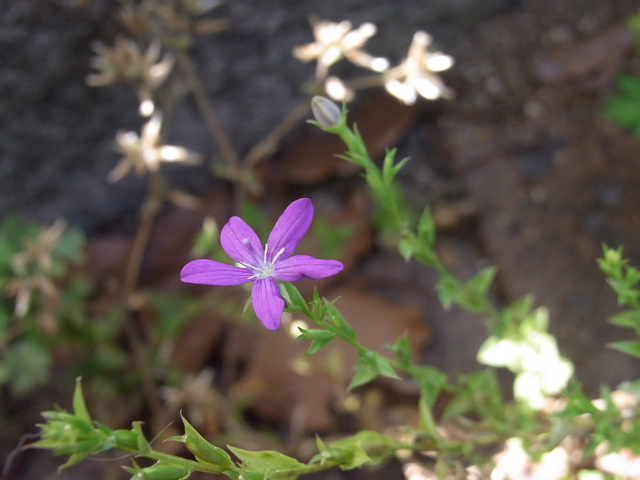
(414, 77)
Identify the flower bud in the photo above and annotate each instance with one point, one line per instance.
(326, 113)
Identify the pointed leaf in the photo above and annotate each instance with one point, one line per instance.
(79, 405)
(629, 347)
(204, 451)
(268, 460)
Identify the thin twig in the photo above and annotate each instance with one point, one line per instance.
(149, 389)
(214, 124)
(148, 212)
(269, 144)
(373, 80)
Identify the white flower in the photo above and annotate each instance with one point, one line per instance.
(337, 40)
(415, 75)
(143, 154)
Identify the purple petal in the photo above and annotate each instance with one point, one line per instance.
(299, 266)
(210, 272)
(290, 228)
(241, 243)
(267, 302)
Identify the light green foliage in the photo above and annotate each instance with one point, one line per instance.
(319, 339)
(475, 404)
(605, 421)
(624, 107)
(36, 313)
(204, 452)
(173, 312)
(207, 243)
(478, 393)
(623, 279)
(331, 239)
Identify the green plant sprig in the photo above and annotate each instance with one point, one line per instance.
(77, 435)
(416, 238)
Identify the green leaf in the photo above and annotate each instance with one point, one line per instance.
(318, 308)
(383, 367)
(407, 247)
(624, 108)
(629, 347)
(369, 366)
(354, 457)
(449, 289)
(628, 319)
(426, 228)
(74, 459)
(159, 471)
(402, 349)
(364, 374)
(481, 281)
(389, 170)
(364, 447)
(431, 381)
(204, 451)
(79, 405)
(294, 298)
(319, 339)
(207, 243)
(342, 327)
(268, 461)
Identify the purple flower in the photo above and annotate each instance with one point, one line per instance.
(264, 266)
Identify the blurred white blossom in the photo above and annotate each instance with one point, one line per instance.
(126, 61)
(415, 75)
(334, 41)
(144, 154)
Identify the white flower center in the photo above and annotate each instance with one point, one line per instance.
(263, 268)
